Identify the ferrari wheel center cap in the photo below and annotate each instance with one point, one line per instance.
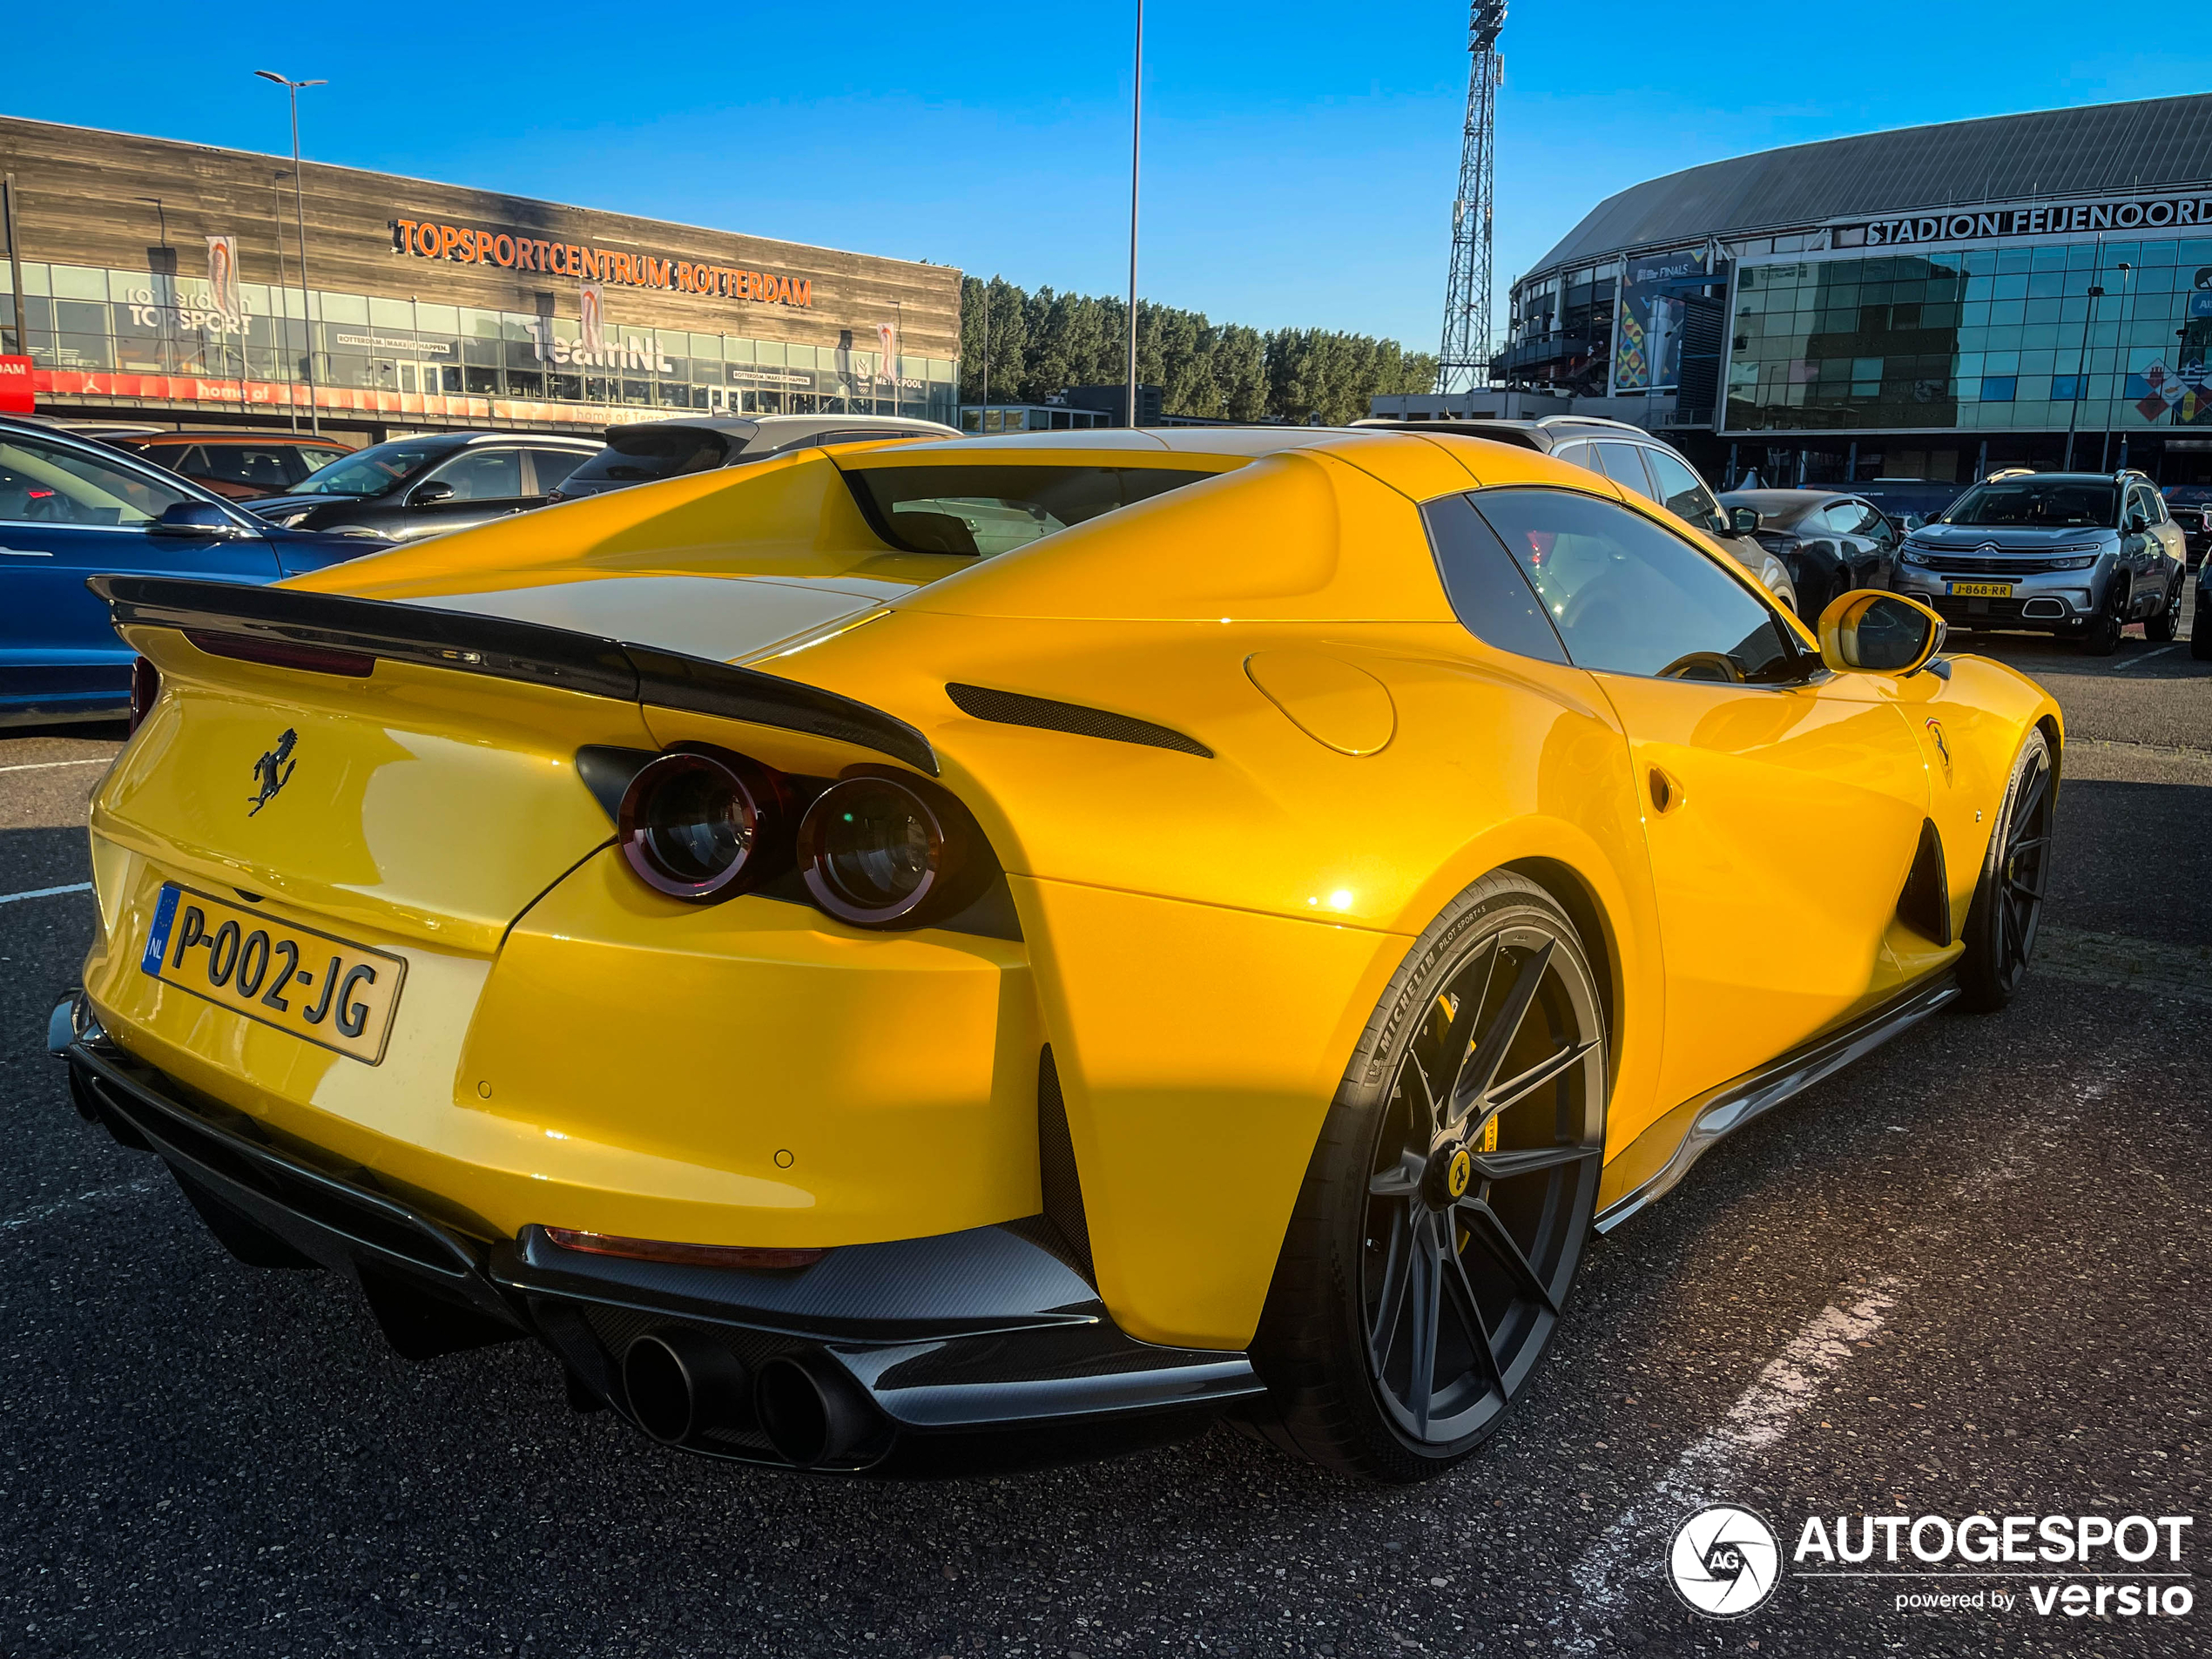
(1451, 1172)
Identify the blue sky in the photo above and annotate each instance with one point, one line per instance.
(1299, 158)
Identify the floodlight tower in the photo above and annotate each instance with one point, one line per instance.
(1464, 363)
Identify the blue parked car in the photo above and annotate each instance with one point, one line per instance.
(69, 508)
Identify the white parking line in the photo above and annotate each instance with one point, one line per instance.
(1629, 1554)
(48, 765)
(2137, 662)
(1709, 1468)
(45, 892)
(46, 1212)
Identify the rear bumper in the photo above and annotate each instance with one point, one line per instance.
(979, 1348)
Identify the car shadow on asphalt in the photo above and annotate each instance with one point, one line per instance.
(2037, 656)
(2127, 859)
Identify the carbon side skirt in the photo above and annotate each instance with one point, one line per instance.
(1658, 1158)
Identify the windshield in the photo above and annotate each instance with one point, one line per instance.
(373, 471)
(2040, 504)
(978, 511)
(640, 457)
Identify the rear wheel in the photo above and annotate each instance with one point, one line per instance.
(1445, 1210)
(2166, 621)
(2009, 901)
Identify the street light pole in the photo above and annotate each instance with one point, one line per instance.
(2119, 364)
(2081, 367)
(1136, 146)
(11, 202)
(300, 213)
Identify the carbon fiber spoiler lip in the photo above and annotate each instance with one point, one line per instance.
(501, 648)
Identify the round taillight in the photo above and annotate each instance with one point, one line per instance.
(145, 685)
(880, 851)
(702, 825)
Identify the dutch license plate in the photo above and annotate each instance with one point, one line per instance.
(313, 985)
(1981, 589)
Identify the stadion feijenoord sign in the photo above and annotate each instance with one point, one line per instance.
(2130, 215)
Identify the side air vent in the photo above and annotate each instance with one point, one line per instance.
(1012, 708)
(1925, 906)
(1064, 1189)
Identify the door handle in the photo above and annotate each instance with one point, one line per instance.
(1666, 791)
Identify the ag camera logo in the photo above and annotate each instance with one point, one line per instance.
(1724, 1561)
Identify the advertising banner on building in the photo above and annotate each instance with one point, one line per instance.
(594, 303)
(223, 292)
(1647, 329)
(887, 346)
(15, 386)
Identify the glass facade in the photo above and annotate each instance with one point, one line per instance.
(2085, 336)
(1560, 330)
(1027, 418)
(83, 321)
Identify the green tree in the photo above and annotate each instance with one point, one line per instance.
(1042, 343)
(1006, 323)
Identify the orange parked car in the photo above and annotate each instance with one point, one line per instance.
(241, 465)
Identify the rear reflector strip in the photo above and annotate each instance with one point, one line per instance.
(654, 1250)
(284, 653)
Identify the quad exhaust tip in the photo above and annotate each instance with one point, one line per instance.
(680, 1384)
(812, 1411)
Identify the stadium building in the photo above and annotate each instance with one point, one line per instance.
(163, 282)
(1932, 302)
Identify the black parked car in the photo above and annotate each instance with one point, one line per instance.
(2196, 523)
(415, 487)
(647, 451)
(72, 508)
(1830, 543)
(1909, 502)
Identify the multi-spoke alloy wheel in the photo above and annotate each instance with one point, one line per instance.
(1446, 1206)
(2008, 903)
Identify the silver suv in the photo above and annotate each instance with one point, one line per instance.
(2079, 555)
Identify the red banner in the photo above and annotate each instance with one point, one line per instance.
(16, 375)
(184, 388)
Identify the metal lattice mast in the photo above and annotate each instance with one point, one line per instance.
(1464, 362)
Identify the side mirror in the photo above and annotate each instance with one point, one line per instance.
(425, 494)
(1743, 519)
(2136, 524)
(1867, 632)
(200, 520)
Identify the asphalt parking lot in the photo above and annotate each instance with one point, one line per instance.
(1968, 1274)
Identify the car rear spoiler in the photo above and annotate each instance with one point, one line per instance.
(504, 649)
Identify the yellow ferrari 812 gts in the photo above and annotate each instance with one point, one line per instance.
(901, 958)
